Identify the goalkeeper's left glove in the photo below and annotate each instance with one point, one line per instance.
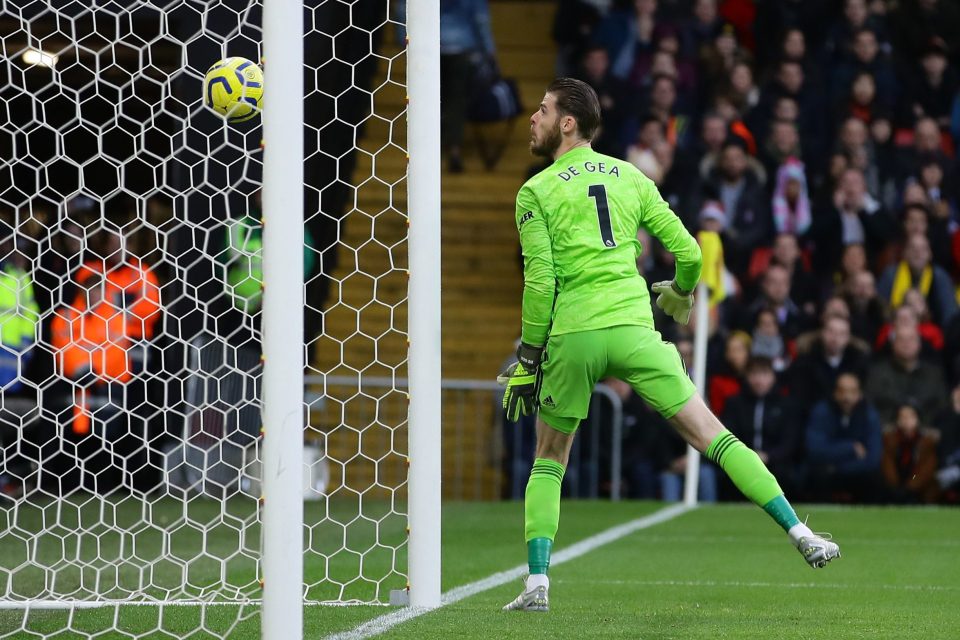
(522, 380)
(674, 301)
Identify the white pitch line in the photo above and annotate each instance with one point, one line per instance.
(767, 585)
(386, 622)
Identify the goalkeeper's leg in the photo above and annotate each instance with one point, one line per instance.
(698, 426)
(542, 512)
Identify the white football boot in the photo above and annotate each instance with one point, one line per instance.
(818, 549)
(532, 598)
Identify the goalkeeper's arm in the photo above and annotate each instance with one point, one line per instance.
(667, 227)
(539, 275)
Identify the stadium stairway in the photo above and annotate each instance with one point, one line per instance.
(362, 424)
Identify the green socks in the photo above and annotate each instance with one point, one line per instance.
(542, 512)
(538, 555)
(751, 477)
(781, 511)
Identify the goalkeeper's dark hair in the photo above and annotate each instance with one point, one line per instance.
(577, 99)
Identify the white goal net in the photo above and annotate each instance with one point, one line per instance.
(130, 312)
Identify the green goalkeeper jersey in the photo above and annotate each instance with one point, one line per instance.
(578, 221)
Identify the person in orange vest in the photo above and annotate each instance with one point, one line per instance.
(95, 340)
(90, 344)
(130, 284)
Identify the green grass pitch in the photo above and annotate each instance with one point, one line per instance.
(717, 572)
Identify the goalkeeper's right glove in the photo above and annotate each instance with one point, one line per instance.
(675, 302)
(522, 380)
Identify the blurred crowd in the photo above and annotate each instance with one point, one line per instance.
(811, 146)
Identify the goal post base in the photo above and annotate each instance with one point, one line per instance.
(399, 597)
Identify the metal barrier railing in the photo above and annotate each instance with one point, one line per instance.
(475, 436)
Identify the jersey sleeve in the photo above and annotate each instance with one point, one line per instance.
(539, 275)
(659, 220)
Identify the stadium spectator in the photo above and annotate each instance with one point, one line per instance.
(866, 307)
(718, 58)
(814, 374)
(19, 323)
(867, 59)
(833, 307)
(19, 314)
(715, 275)
(642, 430)
(917, 21)
(790, 81)
(909, 462)
(767, 341)
(702, 28)
(101, 340)
(672, 463)
(713, 133)
(927, 146)
(651, 153)
(844, 444)
(742, 89)
(853, 261)
(932, 88)
(617, 103)
(916, 220)
(912, 313)
(627, 32)
(573, 25)
(782, 148)
(854, 142)
(666, 62)
(793, 47)
(728, 380)
(662, 104)
(904, 377)
(931, 177)
(786, 109)
(773, 18)
(744, 202)
(775, 296)
(129, 284)
(854, 217)
(948, 424)
(955, 118)
(861, 101)
(856, 17)
(803, 286)
(766, 420)
(916, 271)
(464, 32)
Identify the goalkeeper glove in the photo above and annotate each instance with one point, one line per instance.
(522, 380)
(675, 302)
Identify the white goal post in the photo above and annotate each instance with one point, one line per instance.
(184, 477)
(282, 330)
(423, 73)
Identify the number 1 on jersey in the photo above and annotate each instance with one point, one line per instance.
(599, 193)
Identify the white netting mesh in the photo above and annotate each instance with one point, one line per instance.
(130, 311)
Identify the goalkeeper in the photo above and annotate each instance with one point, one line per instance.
(586, 315)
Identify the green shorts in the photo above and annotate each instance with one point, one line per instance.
(575, 362)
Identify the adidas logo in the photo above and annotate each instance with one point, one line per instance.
(548, 402)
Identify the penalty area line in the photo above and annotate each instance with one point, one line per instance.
(386, 622)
